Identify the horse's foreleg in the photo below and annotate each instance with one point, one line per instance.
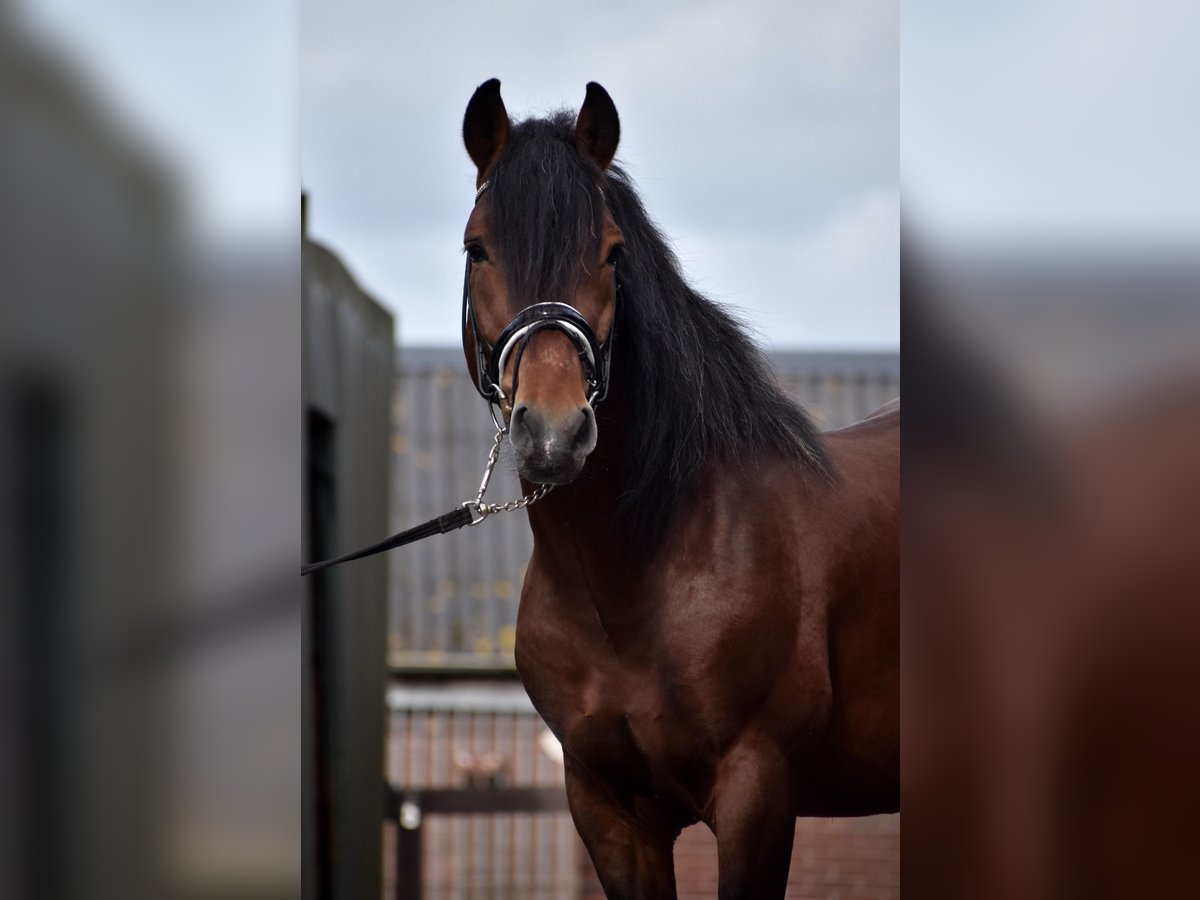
(754, 823)
(632, 864)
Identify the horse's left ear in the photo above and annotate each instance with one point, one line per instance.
(485, 126)
(597, 130)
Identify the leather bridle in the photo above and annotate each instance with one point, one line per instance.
(491, 359)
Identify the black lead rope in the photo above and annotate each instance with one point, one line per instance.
(470, 512)
(451, 521)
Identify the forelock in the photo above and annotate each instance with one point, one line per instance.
(544, 210)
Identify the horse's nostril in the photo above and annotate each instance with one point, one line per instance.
(585, 436)
(524, 428)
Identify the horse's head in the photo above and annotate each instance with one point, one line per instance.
(540, 297)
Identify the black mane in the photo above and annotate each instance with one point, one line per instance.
(694, 386)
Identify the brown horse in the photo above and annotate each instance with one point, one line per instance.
(709, 622)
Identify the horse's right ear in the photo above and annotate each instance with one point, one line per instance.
(598, 128)
(485, 126)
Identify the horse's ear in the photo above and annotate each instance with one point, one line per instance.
(597, 130)
(485, 125)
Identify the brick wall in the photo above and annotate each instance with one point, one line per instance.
(832, 859)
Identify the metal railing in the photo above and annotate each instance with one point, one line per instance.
(475, 804)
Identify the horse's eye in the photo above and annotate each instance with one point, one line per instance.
(476, 252)
(614, 254)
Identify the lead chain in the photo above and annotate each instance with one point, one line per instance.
(482, 509)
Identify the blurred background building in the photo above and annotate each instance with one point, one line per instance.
(148, 634)
(87, 237)
(346, 397)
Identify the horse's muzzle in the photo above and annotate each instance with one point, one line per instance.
(551, 450)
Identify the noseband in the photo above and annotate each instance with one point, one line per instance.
(491, 359)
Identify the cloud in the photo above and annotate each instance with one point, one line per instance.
(833, 286)
(741, 124)
(1068, 120)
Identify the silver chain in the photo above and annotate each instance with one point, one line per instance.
(481, 509)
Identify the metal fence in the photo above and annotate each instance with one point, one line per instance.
(476, 806)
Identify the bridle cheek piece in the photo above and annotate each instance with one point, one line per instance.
(491, 359)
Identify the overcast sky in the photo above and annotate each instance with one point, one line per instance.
(1065, 123)
(763, 136)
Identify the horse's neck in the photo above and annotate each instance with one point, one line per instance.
(576, 530)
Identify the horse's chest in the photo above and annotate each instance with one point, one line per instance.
(606, 742)
(632, 743)
(616, 720)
